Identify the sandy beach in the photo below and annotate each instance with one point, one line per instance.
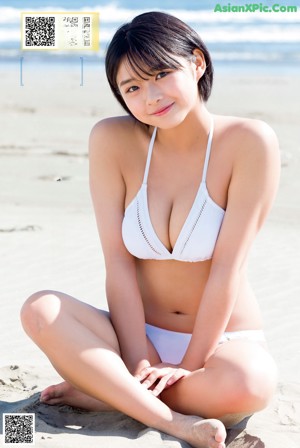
(49, 240)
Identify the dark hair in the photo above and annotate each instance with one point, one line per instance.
(151, 42)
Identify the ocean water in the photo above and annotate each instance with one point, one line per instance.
(237, 41)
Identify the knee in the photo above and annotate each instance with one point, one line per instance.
(38, 311)
(253, 388)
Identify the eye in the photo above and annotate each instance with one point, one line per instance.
(132, 89)
(161, 74)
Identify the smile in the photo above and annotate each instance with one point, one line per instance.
(163, 110)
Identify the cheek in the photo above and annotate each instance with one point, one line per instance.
(134, 105)
(190, 90)
(130, 102)
(185, 92)
(184, 86)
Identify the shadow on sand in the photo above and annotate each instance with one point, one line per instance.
(66, 419)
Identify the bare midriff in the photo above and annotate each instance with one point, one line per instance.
(172, 292)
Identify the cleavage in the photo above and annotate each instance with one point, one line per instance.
(169, 211)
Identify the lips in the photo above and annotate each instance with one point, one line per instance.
(163, 110)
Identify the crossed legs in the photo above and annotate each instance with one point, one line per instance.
(81, 343)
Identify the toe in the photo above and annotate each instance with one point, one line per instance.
(220, 435)
(51, 394)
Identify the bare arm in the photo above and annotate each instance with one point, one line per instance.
(108, 194)
(251, 193)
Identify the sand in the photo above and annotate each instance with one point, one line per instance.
(48, 239)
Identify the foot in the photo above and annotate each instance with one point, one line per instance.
(212, 430)
(64, 393)
(201, 433)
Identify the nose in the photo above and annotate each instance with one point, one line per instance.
(153, 93)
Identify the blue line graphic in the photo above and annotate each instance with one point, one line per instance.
(21, 72)
(81, 60)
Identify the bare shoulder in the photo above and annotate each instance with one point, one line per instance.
(109, 136)
(253, 148)
(250, 146)
(249, 137)
(254, 166)
(116, 145)
(107, 126)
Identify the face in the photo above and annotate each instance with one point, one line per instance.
(163, 99)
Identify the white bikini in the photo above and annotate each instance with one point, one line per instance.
(196, 242)
(198, 236)
(172, 345)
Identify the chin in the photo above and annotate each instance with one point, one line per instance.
(168, 121)
(169, 124)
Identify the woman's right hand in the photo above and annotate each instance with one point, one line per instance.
(160, 376)
(141, 366)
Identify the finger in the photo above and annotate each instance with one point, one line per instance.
(144, 373)
(176, 376)
(161, 385)
(164, 383)
(155, 375)
(151, 378)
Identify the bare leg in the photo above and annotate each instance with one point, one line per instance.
(64, 393)
(237, 381)
(82, 345)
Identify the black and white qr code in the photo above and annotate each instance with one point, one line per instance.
(40, 31)
(62, 31)
(86, 31)
(18, 428)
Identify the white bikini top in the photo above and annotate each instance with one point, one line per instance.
(198, 236)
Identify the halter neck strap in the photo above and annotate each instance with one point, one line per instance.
(151, 144)
(207, 153)
(208, 149)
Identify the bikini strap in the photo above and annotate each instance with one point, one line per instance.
(207, 155)
(208, 148)
(151, 144)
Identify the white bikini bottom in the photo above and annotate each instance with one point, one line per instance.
(172, 345)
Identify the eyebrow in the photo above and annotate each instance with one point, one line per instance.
(126, 81)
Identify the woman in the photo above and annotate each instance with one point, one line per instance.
(179, 196)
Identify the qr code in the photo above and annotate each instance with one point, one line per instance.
(86, 31)
(62, 31)
(77, 31)
(40, 31)
(18, 428)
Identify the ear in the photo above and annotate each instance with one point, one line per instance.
(199, 60)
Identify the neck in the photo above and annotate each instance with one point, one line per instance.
(193, 131)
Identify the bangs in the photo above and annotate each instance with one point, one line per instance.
(146, 60)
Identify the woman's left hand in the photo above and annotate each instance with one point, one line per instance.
(160, 376)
